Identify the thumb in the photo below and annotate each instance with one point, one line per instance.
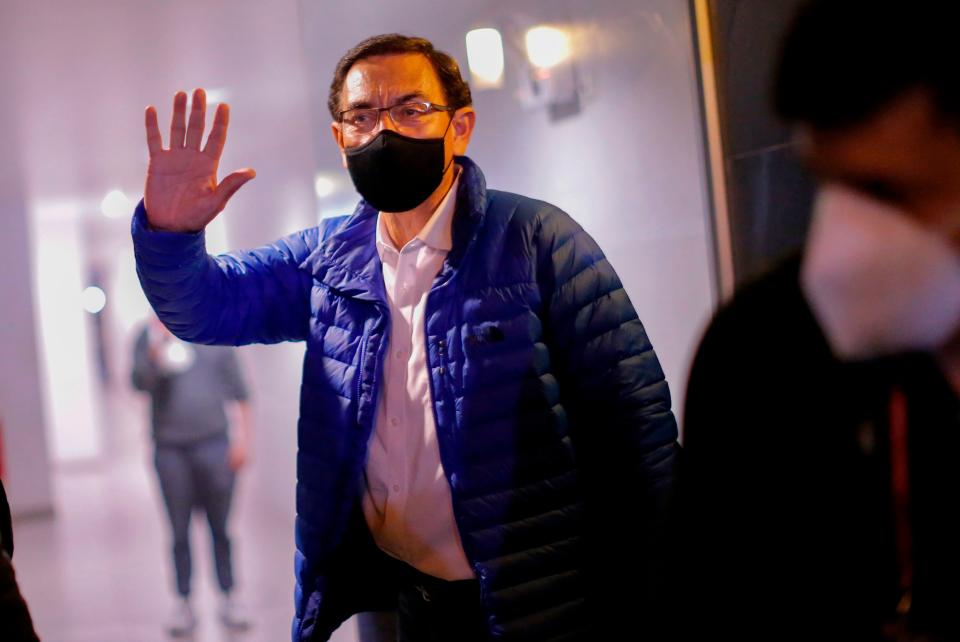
(229, 185)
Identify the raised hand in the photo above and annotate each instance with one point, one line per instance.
(182, 193)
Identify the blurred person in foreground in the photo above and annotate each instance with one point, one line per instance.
(820, 481)
(199, 451)
(485, 438)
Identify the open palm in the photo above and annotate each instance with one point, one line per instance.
(182, 193)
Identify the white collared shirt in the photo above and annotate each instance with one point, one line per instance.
(407, 501)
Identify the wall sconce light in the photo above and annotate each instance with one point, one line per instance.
(547, 71)
(553, 79)
(485, 58)
(547, 47)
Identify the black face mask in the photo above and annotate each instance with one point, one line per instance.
(395, 173)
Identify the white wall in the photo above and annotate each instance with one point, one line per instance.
(83, 72)
(629, 167)
(27, 477)
(72, 398)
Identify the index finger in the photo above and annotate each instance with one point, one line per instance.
(154, 140)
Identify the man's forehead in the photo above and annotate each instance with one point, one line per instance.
(389, 76)
(895, 142)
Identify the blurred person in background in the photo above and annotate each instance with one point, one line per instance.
(198, 452)
(16, 624)
(485, 437)
(819, 486)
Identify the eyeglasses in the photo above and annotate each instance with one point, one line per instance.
(412, 115)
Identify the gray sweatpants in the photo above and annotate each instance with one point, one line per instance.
(197, 476)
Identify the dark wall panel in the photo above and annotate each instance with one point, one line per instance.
(770, 195)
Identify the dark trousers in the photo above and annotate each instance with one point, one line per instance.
(433, 610)
(379, 626)
(429, 610)
(197, 476)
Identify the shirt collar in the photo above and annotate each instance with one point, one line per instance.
(438, 231)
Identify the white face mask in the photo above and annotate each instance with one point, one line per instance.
(878, 282)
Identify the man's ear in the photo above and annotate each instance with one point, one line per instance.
(464, 121)
(337, 131)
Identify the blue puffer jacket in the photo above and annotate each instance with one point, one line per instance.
(552, 412)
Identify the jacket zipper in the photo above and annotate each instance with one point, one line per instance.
(363, 354)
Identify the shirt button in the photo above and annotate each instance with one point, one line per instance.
(398, 354)
(396, 488)
(394, 421)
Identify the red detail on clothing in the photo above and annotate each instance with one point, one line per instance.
(900, 484)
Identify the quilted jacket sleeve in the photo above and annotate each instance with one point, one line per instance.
(610, 373)
(611, 383)
(256, 296)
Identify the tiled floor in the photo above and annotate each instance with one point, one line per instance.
(99, 572)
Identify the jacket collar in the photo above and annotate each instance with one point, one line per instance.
(349, 262)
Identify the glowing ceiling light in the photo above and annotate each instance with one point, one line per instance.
(217, 95)
(94, 299)
(116, 205)
(324, 186)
